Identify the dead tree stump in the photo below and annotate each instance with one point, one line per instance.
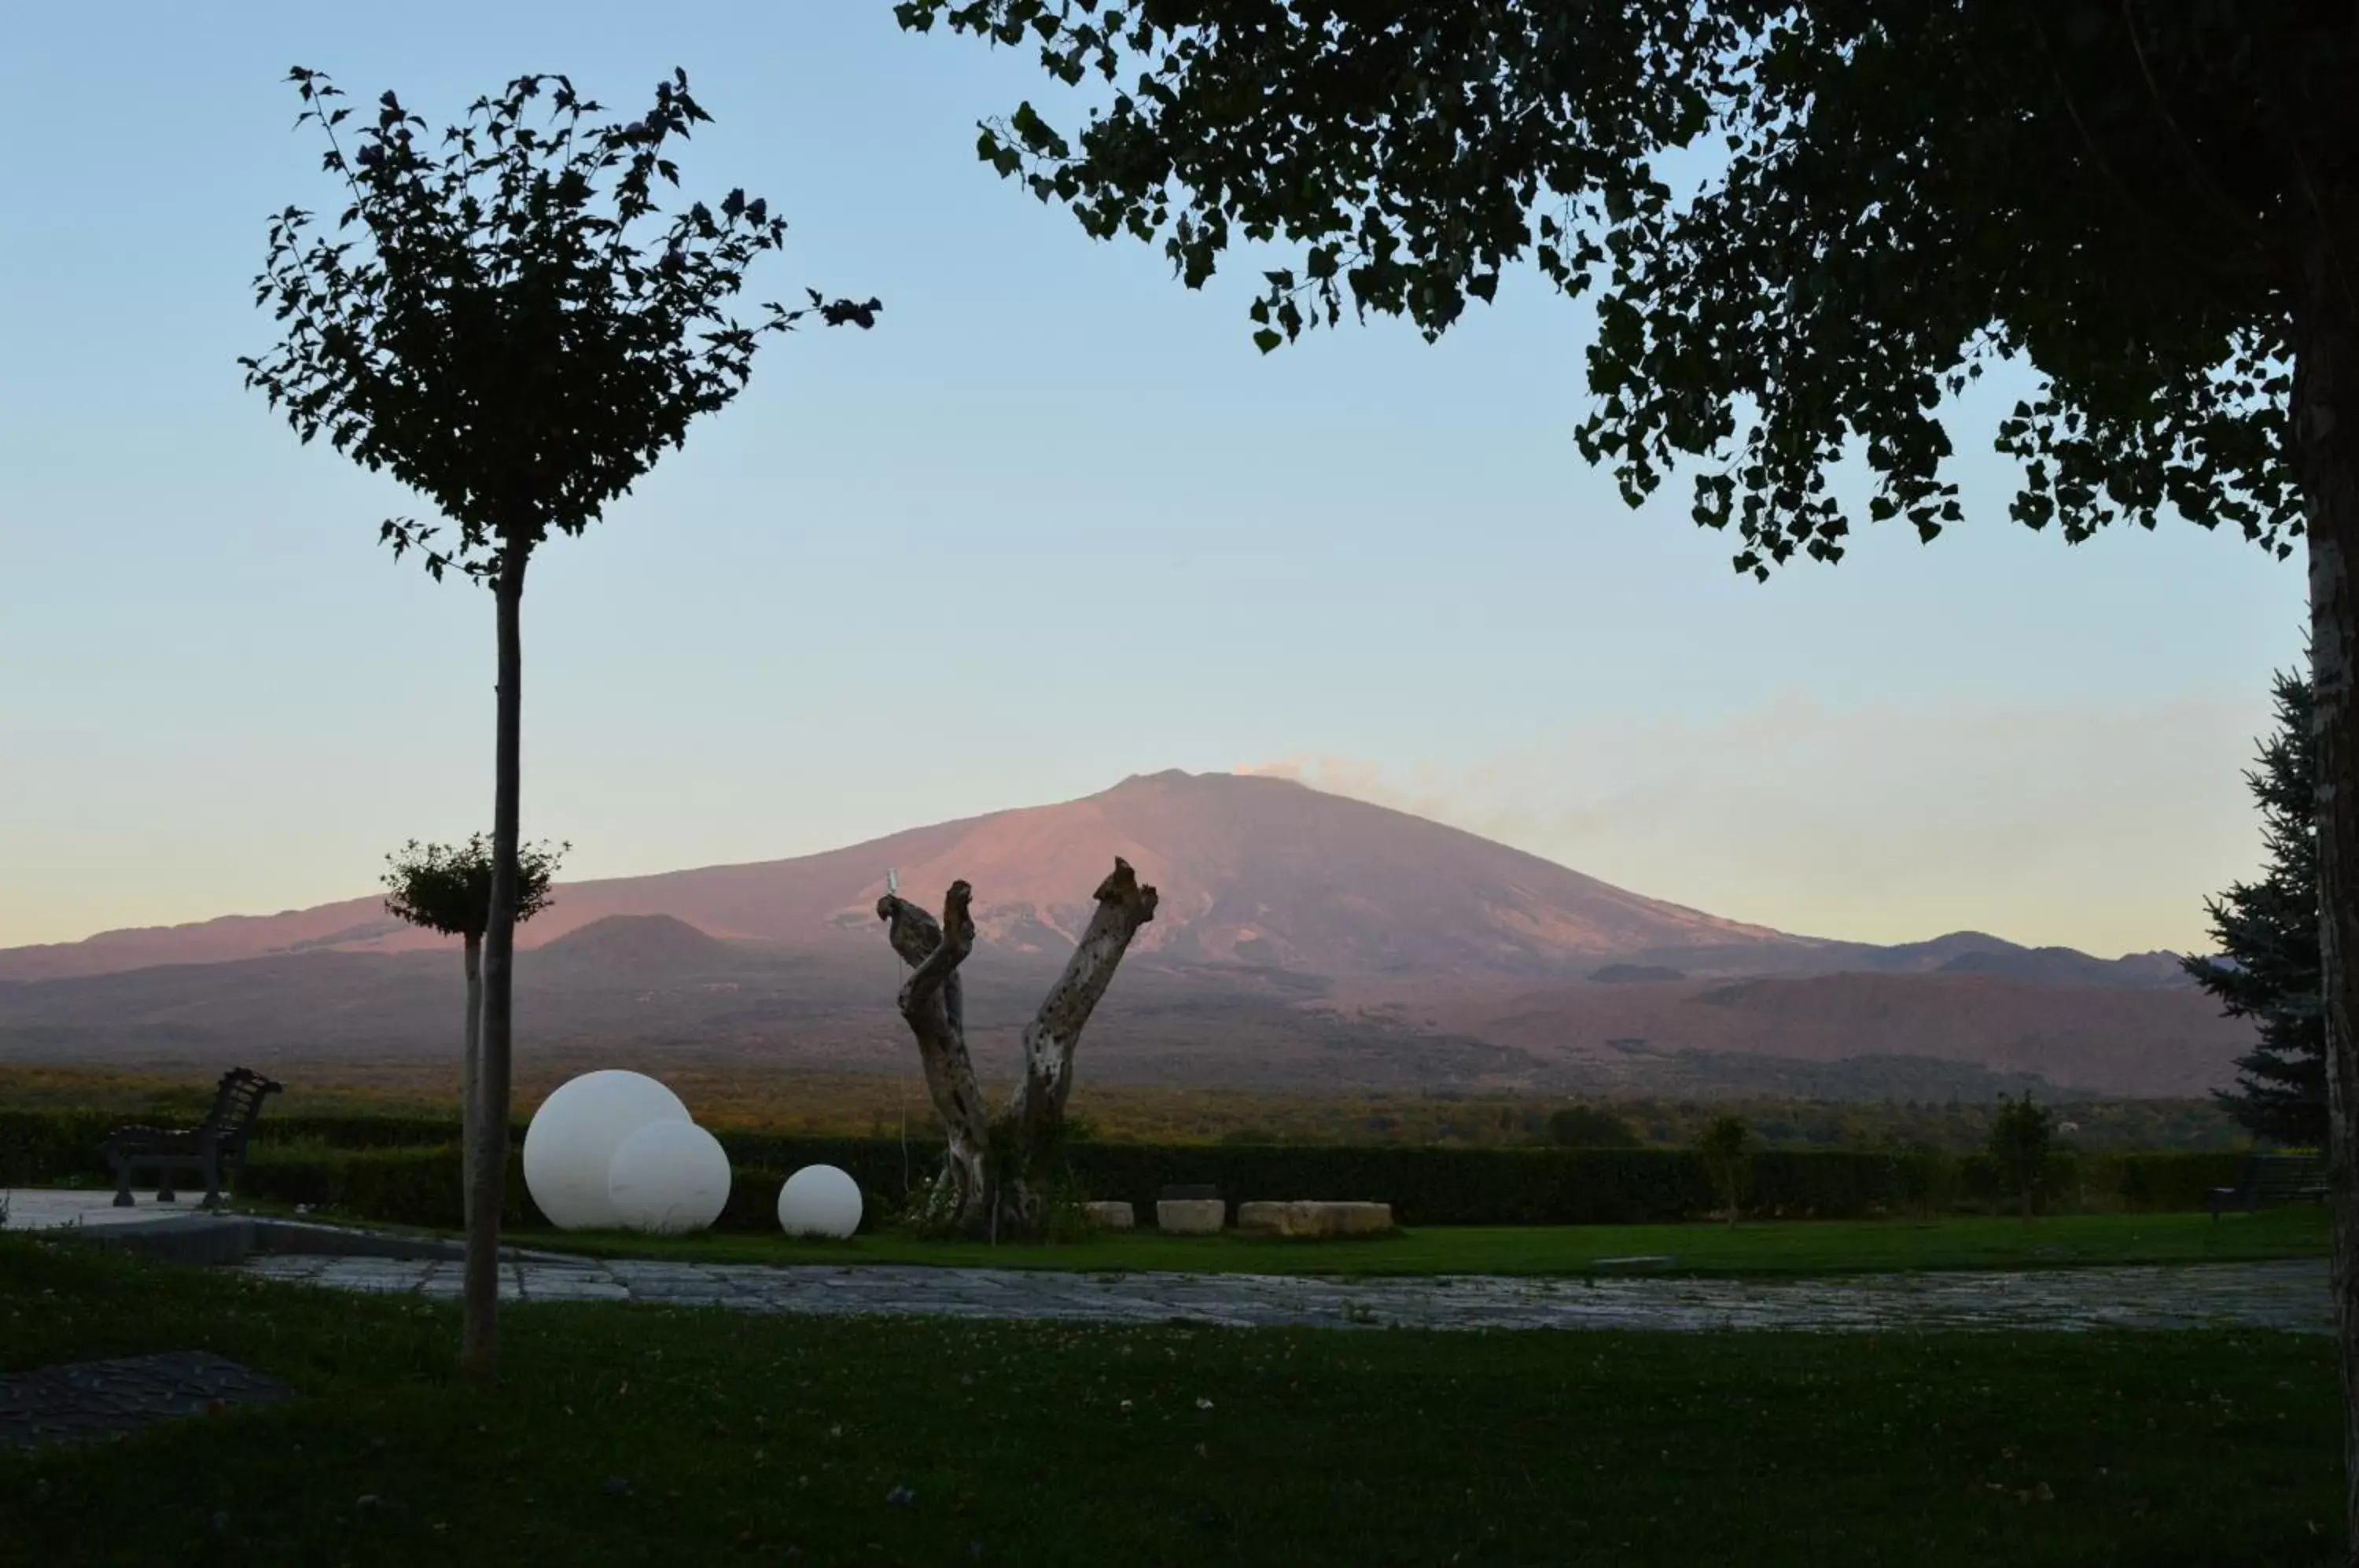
(997, 1172)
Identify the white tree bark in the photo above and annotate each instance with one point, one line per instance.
(2325, 420)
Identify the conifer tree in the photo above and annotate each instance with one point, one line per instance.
(2268, 968)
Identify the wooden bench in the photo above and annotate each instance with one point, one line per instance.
(2270, 1178)
(206, 1148)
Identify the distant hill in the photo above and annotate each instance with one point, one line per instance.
(1303, 940)
(1635, 974)
(638, 945)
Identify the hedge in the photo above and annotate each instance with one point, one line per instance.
(405, 1171)
(417, 1186)
(420, 1186)
(52, 1146)
(1433, 1187)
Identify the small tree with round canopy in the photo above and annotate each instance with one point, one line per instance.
(507, 324)
(447, 888)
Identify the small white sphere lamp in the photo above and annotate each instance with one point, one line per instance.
(669, 1178)
(573, 1137)
(821, 1201)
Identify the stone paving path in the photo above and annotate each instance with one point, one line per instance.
(2283, 1295)
(91, 1400)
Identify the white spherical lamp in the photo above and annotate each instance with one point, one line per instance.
(572, 1142)
(667, 1178)
(821, 1201)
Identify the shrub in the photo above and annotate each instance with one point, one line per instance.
(41, 1147)
(1721, 1146)
(1587, 1126)
(2020, 1137)
(410, 1186)
(2160, 1184)
(1929, 1180)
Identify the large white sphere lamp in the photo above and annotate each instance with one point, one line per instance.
(573, 1137)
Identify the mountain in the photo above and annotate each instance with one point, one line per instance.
(1303, 942)
(1253, 870)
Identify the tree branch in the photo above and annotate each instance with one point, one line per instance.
(2201, 171)
(915, 935)
(1124, 904)
(932, 1002)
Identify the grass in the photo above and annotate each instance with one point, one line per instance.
(1789, 1247)
(640, 1435)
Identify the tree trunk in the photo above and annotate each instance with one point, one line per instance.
(479, 1352)
(471, 1086)
(1035, 1114)
(2325, 418)
(979, 1189)
(933, 1003)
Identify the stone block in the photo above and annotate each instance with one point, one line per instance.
(1304, 1218)
(1112, 1216)
(1191, 1216)
(1650, 1263)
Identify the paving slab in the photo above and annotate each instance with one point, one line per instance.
(92, 1208)
(91, 1401)
(2291, 1295)
(181, 1232)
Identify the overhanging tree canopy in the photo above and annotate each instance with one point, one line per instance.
(2155, 206)
(2115, 194)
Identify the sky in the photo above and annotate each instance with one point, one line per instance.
(1054, 522)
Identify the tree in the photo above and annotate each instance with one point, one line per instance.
(2155, 207)
(1721, 1147)
(2268, 935)
(999, 1175)
(505, 333)
(1587, 1126)
(447, 888)
(2021, 1132)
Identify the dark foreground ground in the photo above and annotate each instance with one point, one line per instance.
(642, 1434)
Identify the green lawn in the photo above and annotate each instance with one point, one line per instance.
(640, 1435)
(1776, 1247)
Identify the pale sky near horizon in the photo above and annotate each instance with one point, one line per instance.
(1054, 522)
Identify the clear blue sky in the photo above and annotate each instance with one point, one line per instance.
(1055, 521)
